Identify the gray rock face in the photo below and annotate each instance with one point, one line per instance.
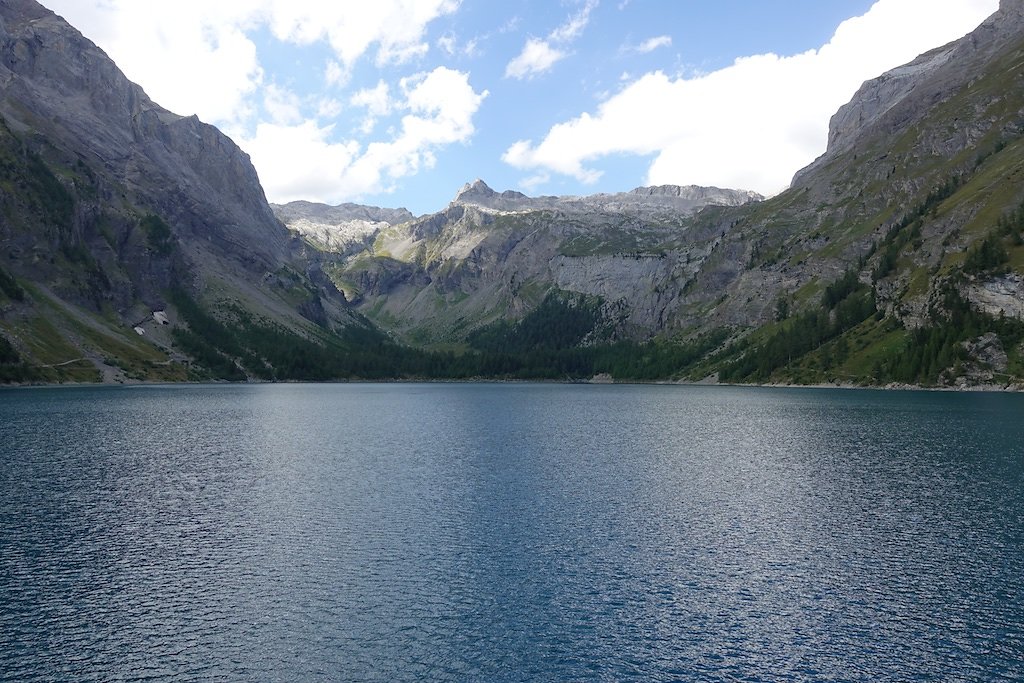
(881, 94)
(339, 228)
(999, 296)
(489, 253)
(988, 349)
(901, 97)
(55, 82)
(342, 212)
(986, 361)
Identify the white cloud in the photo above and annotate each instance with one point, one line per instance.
(534, 181)
(472, 47)
(574, 25)
(282, 105)
(376, 101)
(351, 27)
(300, 161)
(650, 45)
(447, 44)
(510, 25)
(194, 56)
(184, 58)
(200, 56)
(538, 56)
(753, 124)
(336, 74)
(329, 108)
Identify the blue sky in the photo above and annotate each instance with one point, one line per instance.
(400, 102)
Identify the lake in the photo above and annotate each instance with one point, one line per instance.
(515, 532)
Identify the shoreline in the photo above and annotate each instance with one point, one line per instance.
(596, 381)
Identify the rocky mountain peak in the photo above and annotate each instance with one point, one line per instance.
(477, 189)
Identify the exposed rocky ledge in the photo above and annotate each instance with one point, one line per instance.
(1001, 296)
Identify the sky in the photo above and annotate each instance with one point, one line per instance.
(400, 102)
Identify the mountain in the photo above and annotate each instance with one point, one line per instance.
(137, 244)
(490, 256)
(916, 205)
(894, 257)
(114, 206)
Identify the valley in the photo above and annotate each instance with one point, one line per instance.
(138, 245)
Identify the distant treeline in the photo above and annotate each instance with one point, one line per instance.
(544, 345)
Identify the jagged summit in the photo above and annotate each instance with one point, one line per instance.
(477, 188)
(479, 193)
(338, 228)
(348, 227)
(324, 213)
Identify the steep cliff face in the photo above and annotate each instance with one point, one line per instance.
(890, 104)
(112, 202)
(943, 131)
(59, 85)
(876, 98)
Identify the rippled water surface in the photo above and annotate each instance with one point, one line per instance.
(510, 532)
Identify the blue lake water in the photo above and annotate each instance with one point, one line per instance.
(510, 532)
